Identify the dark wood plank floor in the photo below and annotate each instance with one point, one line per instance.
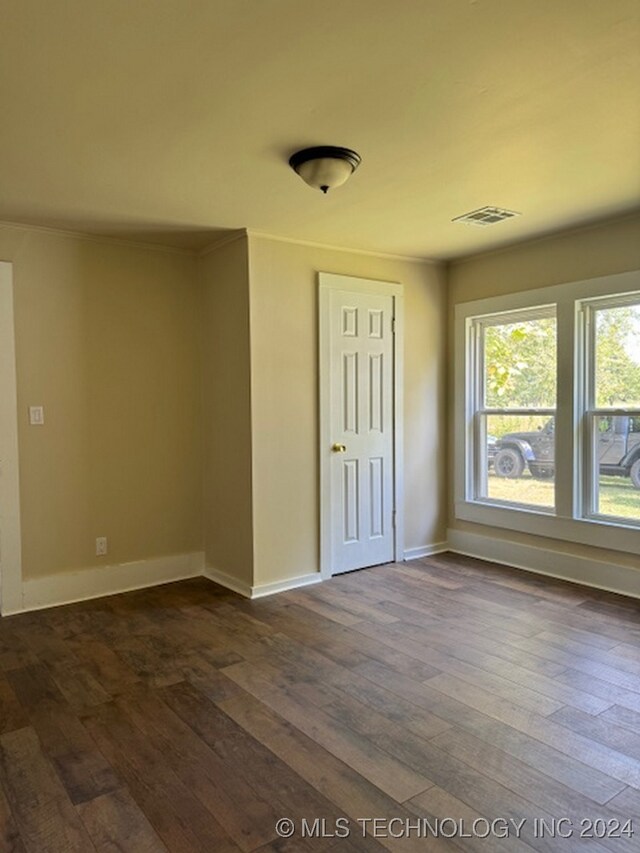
(185, 718)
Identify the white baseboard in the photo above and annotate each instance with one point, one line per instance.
(97, 582)
(281, 586)
(607, 576)
(261, 590)
(425, 551)
(84, 584)
(227, 581)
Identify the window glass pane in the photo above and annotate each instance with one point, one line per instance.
(520, 364)
(617, 451)
(617, 357)
(518, 459)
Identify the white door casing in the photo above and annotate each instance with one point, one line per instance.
(360, 411)
(10, 538)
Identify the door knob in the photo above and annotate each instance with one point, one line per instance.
(339, 448)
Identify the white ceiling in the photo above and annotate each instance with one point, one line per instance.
(172, 120)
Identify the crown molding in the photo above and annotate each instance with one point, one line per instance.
(95, 238)
(264, 235)
(236, 234)
(223, 241)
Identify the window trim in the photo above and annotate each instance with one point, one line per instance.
(476, 330)
(570, 300)
(590, 409)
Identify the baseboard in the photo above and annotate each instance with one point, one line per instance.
(261, 590)
(282, 586)
(228, 581)
(598, 574)
(97, 582)
(425, 551)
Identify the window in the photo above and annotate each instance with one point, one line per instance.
(515, 417)
(613, 407)
(547, 412)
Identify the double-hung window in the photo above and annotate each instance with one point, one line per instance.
(612, 408)
(515, 384)
(547, 412)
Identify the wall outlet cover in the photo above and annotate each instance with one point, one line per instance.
(36, 415)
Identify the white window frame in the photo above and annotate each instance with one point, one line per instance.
(475, 342)
(571, 522)
(591, 410)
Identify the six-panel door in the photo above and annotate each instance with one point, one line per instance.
(361, 401)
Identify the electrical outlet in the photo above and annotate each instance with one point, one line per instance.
(101, 546)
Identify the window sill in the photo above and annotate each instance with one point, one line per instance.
(597, 533)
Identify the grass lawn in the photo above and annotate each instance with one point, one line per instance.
(617, 494)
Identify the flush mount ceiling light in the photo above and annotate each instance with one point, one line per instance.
(325, 166)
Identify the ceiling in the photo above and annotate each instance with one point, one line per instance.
(173, 120)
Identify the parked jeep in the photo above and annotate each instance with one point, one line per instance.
(618, 450)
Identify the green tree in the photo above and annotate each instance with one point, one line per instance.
(520, 364)
(520, 361)
(618, 357)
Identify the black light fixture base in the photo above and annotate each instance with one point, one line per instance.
(320, 151)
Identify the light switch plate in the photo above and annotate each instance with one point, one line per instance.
(36, 415)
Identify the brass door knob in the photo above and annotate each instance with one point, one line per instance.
(339, 448)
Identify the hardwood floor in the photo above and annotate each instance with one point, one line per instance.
(184, 718)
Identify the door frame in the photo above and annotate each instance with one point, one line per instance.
(328, 282)
(10, 535)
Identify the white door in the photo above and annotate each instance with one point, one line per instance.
(360, 428)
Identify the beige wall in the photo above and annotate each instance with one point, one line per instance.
(600, 250)
(106, 341)
(168, 426)
(284, 365)
(180, 390)
(226, 371)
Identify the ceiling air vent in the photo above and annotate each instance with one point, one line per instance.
(486, 216)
